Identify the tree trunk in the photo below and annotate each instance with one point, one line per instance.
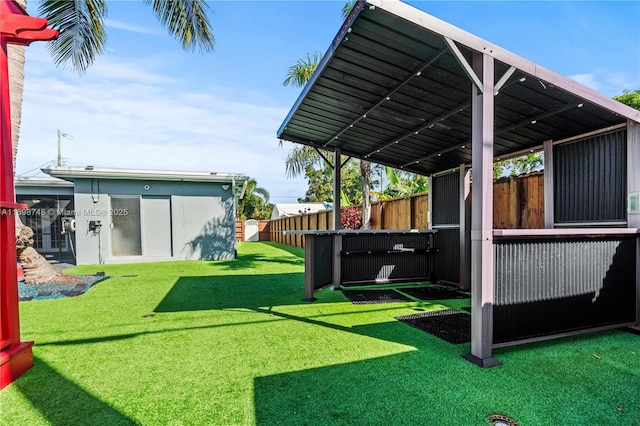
(365, 172)
(15, 56)
(37, 270)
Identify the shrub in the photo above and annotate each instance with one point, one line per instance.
(351, 218)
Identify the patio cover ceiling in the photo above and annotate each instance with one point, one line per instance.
(395, 88)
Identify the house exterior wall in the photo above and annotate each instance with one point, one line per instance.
(178, 220)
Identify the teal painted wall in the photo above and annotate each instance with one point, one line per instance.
(200, 217)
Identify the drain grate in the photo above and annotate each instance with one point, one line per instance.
(449, 325)
(434, 293)
(366, 297)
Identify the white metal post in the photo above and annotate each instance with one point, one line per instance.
(549, 219)
(633, 189)
(465, 207)
(482, 268)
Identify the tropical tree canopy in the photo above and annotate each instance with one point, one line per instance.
(83, 37)
(630, 98)
(255, 204)
(320, 183)
(398, 183)
(300, 73)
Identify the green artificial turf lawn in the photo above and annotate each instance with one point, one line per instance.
(231, 343)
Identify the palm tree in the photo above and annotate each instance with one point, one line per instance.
(255, 203)
(82, 38)
(300, 73)
(300, 157)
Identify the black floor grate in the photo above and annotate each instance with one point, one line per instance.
(434, 293)
(366, 297)
(449, 325)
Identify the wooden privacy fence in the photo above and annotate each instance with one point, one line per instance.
(518, 202)
(263, 230)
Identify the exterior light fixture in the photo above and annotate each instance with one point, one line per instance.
(388, 98)
(499, 420)
(418, 73)
(580, 105)
(534, 121)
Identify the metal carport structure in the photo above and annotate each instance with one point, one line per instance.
(402, 88)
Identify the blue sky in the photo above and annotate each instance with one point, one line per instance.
(147, 104)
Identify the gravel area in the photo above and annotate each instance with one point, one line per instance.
(56, 290)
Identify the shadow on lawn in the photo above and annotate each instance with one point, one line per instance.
(62, 402)
(406, 388)
(235, 291)
(248, 261)
(434, 386)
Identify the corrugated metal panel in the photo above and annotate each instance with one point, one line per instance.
(445, 216)
(590, 179)
(546, 287)
(446, 199)
(380, 259)
(446, 265)
(322, 260)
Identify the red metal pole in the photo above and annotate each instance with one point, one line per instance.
(15, 356)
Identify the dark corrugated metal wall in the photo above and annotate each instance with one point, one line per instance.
(445, 212)
(446, 199)
(545, 287)
(380, 259)
(590, 179)
(323, 260)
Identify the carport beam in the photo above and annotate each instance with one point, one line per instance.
(482, 268)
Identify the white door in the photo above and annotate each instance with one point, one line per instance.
(251, 230)
(156, 226)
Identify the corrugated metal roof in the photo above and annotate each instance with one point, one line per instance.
(394, 88)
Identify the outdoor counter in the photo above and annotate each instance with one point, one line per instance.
(550, 282)
(365, 257)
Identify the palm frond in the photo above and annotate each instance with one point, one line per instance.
(299, 158)
(186, 21)
(81, 27)
(348, 6)
(300, 73)
(263, 193)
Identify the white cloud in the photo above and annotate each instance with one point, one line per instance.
(128, 117)
(128, 27)
(610, 83)
(588, 80)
